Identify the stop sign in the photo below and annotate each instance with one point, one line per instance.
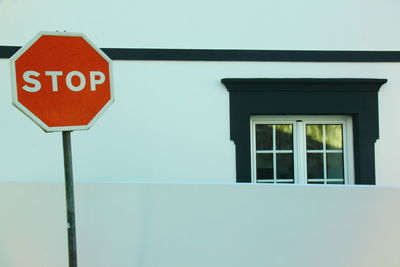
(61, 81)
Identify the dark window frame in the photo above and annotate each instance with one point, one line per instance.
(306, 96)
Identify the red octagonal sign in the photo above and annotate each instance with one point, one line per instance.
(61, 81)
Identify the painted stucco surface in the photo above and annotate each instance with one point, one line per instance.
(250, 24)
(169, 225)
(170, 122)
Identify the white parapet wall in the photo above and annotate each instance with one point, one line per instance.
(193, 225)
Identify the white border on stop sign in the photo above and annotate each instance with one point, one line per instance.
(32, 116)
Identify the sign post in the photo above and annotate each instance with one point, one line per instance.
(63, 83)
(69, 196)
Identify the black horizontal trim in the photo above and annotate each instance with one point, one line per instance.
(302, 85)
(8, 51)
(238, 55)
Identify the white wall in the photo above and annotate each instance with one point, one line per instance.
(254, 24)
(170, 225)
(170, 122)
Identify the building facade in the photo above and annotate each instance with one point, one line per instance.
(214, 102)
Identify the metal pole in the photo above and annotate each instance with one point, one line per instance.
(69, 193)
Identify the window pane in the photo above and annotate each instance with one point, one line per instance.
(314, 136)
(334, 138)
(315, 182)
(265, 166)
(263, 137)
(284, 137)
(315, 165)
(284, 166)
(334, 165)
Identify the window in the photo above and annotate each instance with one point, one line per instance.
(302, 149)
(354, 98)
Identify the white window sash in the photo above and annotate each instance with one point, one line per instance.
(299, 144)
